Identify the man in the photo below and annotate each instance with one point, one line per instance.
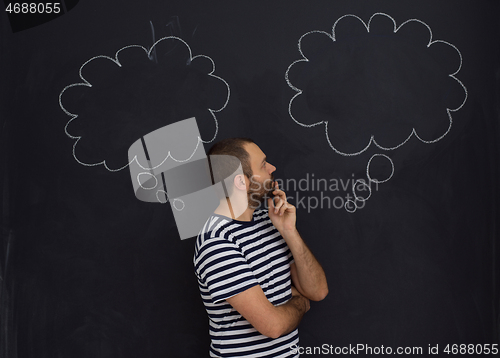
(255, 273)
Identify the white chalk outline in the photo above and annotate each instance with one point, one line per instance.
(368, 169)
(142, 186)
(176, 208)
(372, 138)
(360, 198)
(370, 179)
(158, 198)
(350, 210)
(117, 62)
(166, 201)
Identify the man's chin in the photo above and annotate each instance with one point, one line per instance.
(268, 195)
(256, 203)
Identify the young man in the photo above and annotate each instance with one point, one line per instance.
(255, 273)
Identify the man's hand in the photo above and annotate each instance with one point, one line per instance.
(281, 213)
(307, 274)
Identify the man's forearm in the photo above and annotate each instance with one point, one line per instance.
(310, 274)
(291, 314)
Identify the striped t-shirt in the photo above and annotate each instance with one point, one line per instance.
(230, 257)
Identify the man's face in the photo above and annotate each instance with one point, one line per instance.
(261, 183)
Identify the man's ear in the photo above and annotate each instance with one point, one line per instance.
(239, 182)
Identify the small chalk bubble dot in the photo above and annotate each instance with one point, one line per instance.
(146, 180)
(175, 203)
(361, 185)
(350, 206)
(375, 180)
(161, 196)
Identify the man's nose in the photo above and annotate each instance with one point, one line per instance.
(272, 168)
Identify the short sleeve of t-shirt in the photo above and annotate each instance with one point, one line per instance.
(223, 269)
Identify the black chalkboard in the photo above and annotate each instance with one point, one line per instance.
(398, 98)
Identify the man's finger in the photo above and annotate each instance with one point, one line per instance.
(283, 208)
(278, 206)
(270, 202)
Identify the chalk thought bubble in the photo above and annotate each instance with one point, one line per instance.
(138, 91)
(376, 83)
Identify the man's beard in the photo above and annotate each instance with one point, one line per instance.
(258, 192)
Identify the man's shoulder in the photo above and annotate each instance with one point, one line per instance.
(213, 228)
(217, 230)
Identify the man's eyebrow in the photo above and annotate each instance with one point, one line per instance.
(263, 160)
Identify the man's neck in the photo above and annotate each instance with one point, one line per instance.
(226, 209)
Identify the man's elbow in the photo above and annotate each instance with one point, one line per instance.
(274, 327)
(278, 330)
(273, 331)
(319, 295)
(268, 325)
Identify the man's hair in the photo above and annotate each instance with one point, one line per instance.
(226, 168)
